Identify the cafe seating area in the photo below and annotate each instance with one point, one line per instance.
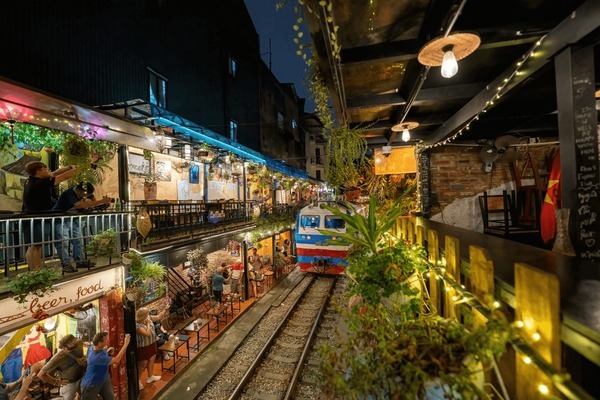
(195, 331)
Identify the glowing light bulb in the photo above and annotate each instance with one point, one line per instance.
(405, 135)
(449, 64)
(527, 360)
(543, 389)
(519, 324)
(536, 337)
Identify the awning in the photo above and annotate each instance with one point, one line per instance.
(199, 133)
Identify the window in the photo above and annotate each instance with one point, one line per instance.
(232, 66)
(158, 89)
(279, 120)
(334, 223)
(294, 124)
(233, 126)
(318, 156)
(318, 172)
(310, 221)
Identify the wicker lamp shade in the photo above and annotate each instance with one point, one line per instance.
(405, 125)
(461, 43)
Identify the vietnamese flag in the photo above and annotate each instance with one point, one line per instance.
(551, 202)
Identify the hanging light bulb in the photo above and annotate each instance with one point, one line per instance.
(405, 135)
(449, 64)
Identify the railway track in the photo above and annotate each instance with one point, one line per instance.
(267, 364)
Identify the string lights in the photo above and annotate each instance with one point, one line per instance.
(499, 92)
(522, 343)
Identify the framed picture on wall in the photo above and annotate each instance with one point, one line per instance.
(138, 164)
(162, 169)
(194, 173)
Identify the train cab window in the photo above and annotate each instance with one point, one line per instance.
(310, 221)
(334, 223)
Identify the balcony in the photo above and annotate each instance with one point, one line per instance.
(173, 222)
(316, 160)
(17, 230)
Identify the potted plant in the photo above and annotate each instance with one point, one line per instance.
(37, 283)
(104, 244)
(394, 347)
(387, 355)
(199, 267)
(144, 274)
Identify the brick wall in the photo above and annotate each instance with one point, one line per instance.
(457, 179)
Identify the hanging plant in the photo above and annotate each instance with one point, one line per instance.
(103, 244)
(148, 155)
(29, 137)
(37, 283)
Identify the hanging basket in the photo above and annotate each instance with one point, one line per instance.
(144, 225)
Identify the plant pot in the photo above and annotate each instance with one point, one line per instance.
(126, 261)
(352, 195)
(150, 192)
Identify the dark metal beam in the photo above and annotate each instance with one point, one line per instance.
(571, 30)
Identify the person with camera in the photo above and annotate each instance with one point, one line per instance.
(66, 368)
(80, 197)
(38, 197)
(96, 380)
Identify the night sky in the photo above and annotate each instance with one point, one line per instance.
(277, 25)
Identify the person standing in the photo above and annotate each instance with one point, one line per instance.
(96, 380)
(237, 274)
(217, 283)
(286, 248)
(69, 363)
(81, 197)
(147, 348)
(37, 197)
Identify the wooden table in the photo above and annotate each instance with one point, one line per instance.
(174, 348)
(196, 327)
(231, 302)
(220, 313)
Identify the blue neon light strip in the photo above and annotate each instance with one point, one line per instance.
(197, 132)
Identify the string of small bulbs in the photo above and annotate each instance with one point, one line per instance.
(490, 103)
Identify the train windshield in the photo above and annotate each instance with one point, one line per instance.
(334, 223)
(310, 221)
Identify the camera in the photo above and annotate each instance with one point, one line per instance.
(386, 151)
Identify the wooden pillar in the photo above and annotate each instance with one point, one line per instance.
(453, 271)
(537, 296)
(410, 232)
(112, 321)
(482, 274)
(433, 252)
(420, 240)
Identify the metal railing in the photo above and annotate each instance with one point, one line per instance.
(54, 231)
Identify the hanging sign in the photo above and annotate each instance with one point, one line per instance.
(68, 295)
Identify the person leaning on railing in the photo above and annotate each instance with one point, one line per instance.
(79, 197)
(37, 197)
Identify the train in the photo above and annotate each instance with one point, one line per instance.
(314, 254)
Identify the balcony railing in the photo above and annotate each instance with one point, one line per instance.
(19, 231)
(316, 160)
(171, 221)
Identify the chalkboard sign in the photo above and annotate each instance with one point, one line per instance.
(138, 164)
(586, 165)
(424, 181)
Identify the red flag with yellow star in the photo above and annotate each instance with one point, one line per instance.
(551, 201)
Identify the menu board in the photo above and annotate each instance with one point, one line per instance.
(587, 168)
(424, 181)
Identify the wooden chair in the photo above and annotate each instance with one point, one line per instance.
(500, 216)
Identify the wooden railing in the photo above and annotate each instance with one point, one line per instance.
(525, 281)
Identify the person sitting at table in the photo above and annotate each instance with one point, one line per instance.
(161, 338)
(217, 284)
